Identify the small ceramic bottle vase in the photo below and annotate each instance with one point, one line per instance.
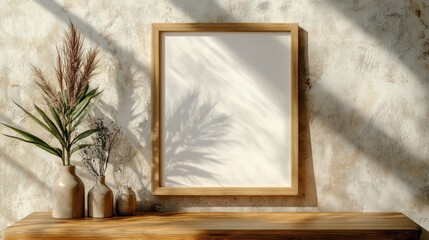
(100, 200)
(68, 194)
(125, 202)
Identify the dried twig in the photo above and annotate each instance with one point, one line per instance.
(97, 156)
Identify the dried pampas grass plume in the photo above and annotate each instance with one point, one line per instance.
(74, 70)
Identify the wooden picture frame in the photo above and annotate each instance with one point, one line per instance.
(224, 109)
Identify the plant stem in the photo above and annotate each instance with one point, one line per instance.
(63, 158)
(68, 141)
(68, 156)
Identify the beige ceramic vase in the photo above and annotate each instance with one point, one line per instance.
(100, 199)
(125, 202)
(68, 194)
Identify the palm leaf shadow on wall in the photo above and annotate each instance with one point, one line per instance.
(192, 128)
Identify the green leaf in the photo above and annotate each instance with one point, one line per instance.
(85, 134)
(65, 104)
(56, 118)
(34, 140)
(84, 103)
(84, 100)
(25, 134)
(34, 118)
(80, 146)
(66, 97)
(54, 130)
(60, 122)
(82, 94)
(85, 113)
(54, 151)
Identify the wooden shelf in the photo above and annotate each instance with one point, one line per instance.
(219, 226)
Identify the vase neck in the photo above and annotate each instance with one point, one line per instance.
(69, 169)
(101, 179)
(126, 190)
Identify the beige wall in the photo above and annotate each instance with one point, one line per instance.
(364, 71)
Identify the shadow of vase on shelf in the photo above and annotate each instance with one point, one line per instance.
(125, 201)
(68, 194)
(100, 199)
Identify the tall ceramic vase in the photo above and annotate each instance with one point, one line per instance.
(125, 202)
(68, 194)
(100, 199)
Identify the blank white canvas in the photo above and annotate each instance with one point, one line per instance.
(226, 109)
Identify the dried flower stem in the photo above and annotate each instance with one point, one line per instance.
(97, 156)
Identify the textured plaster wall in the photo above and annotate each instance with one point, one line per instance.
(364, 99)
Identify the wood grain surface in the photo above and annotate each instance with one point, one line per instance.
(219, 226)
